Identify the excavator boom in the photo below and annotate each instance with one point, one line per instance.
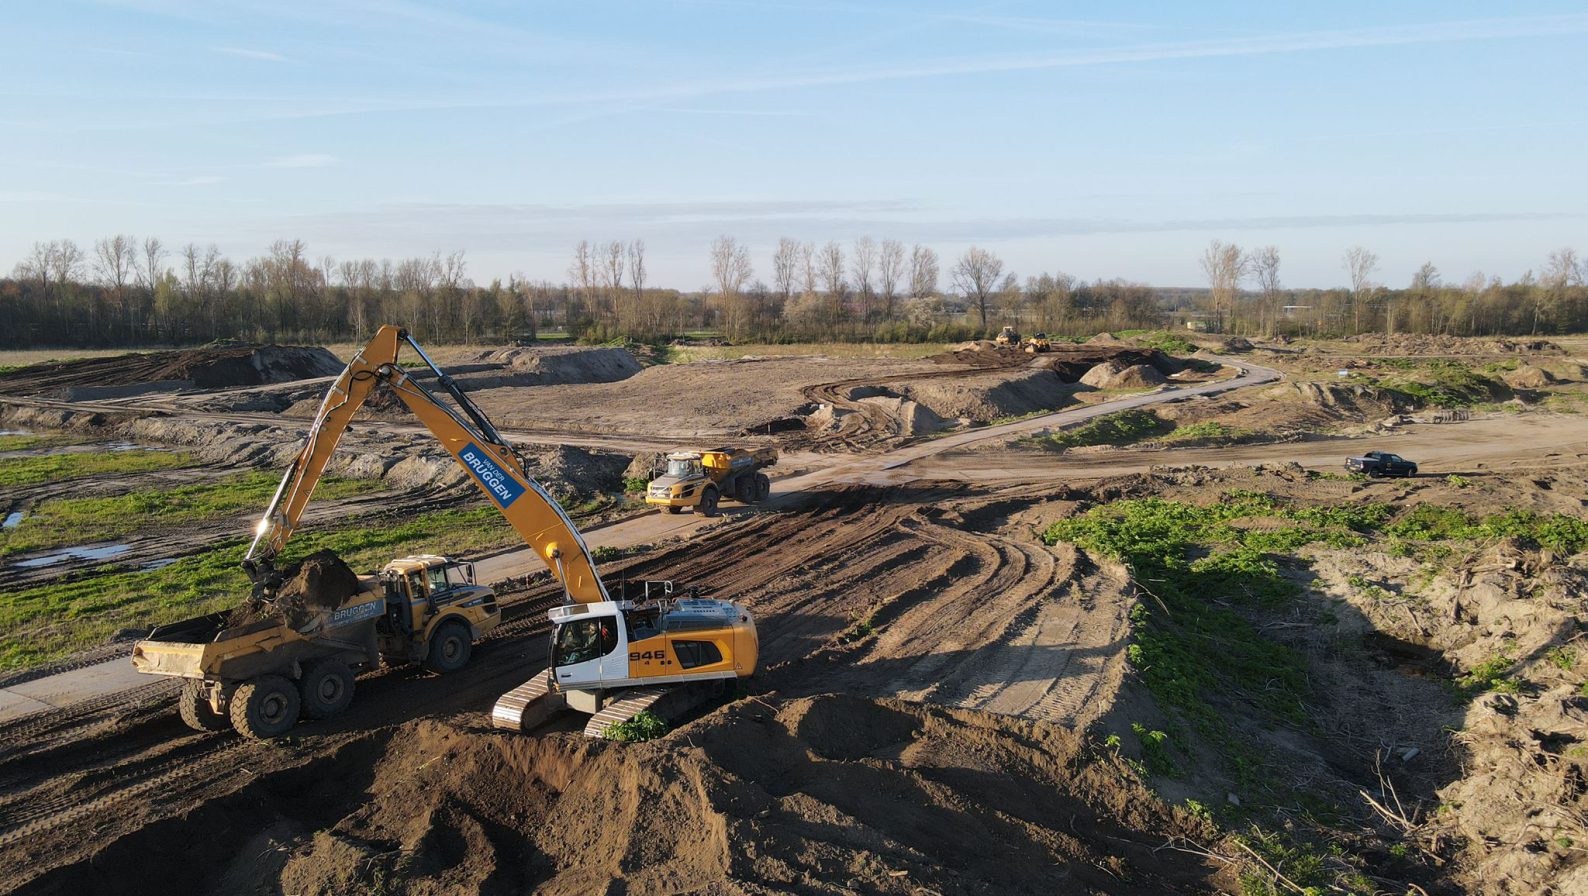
(468, 436)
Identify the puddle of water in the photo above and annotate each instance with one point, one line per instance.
(161, 563)
(14, 519)
(102, 552)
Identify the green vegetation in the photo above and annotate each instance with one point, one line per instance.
(31, 441)
(1437, 382)
(1557, 532)
(859, 631)
(606, 553)
(71, 521)
(1487, 676)
(1121, 428)
(1563, 658)
(21, 471)
(1192, 643)
(1314, 870)
(1154, 750)
(1162, 340)
(645, 725)
(635, 485)
(1205, 433)
(49, 621)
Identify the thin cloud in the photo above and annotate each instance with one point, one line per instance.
(261, 55)
(303, 160)
(201, 180)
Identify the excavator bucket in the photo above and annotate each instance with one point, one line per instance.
(528, 706)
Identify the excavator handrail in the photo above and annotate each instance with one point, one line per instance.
(493, 464)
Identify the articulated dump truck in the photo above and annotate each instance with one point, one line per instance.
(259, 676)
(311, 627)
(701, 479)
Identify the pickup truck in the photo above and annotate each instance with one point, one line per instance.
(1381, 463)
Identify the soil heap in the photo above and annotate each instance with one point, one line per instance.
(310, 591)
(210, 367)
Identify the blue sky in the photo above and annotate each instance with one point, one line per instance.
(1102, 140)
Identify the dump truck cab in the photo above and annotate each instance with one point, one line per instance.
(425, 592)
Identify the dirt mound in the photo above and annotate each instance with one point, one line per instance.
(826, 794)
(927, 404)
(1118, 375)
(1415, 344)
(200, 368)
(310, 591)
(983, 353)
(566, 470)
(559, 365)
(1529, 377)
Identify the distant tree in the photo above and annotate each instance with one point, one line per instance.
(830, 269)
(730, 271)
(890, 272)
(863, 265)
(1359, 267)
(786, 267)
(115, 260)
(976, 275)
(1264, 264)
(1224, 266)
(923, 271)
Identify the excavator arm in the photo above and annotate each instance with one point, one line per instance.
(493, 465)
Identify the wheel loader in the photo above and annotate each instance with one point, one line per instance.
(702, 479)
(1007, 336)
(1037, 344)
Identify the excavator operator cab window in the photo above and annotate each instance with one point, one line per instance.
(682, 468)
(583, 640)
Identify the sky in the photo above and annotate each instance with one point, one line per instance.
(1102, 140)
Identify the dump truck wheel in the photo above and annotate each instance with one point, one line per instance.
(326, 688)
(450, 648)
(674, 509)
(265, 707)
(193, 705)
(763, 487)
(708, 503)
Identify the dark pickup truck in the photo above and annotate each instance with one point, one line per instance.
(1381, 463)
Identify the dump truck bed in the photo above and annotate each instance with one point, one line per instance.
(203, 648)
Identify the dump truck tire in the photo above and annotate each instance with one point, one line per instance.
(763, 487)
(265, 707)
(674, 509)
(450, 648)
(193, 706)
(708, 502)
(326, 688)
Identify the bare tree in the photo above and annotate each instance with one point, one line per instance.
(807, 269)
(890, 271)
(731, 270)
(786, 266)
(923, 271)
(115, 259)
(612, 262)
(153, 270)
(1359, 266)
(830, 268)
(865, 260)
(977, 275)
(637, 283)
(1264, 264)
(1224, 266)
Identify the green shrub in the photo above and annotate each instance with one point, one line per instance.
(1122, 428)
(636, 485)
(644, 725)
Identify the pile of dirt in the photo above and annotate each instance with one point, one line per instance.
(211, 367)
(568, 471)
(1115, 374)
(310, 591)
(1417, 344)
(825, 794)
(1529, 377)
(556, 365)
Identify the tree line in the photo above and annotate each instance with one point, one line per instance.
(125, 292)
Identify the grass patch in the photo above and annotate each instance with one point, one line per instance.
(1557, 532)
(32, 441)
(636, 485)
(72, 521)
(645, 725)
(1437, 382)
(1122, 428)
(1489, 675)
(1206, 433)
(48, 622)
(23, 471)
(1162, 340)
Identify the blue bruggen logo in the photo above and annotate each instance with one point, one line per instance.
(502, 488)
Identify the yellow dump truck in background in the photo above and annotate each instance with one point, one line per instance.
(701, 479)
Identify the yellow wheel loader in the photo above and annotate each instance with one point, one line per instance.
(1007, 336)
(610, 657)
(702, 479)
(1037, 343)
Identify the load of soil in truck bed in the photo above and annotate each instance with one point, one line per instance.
(310, 589)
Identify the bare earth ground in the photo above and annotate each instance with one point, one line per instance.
(952, 746)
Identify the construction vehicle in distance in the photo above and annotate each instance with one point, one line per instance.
(602, 649)
(1007, 336)
(701, 479)
(1037, 343)
(260, 676)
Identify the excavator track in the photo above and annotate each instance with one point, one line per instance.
(527, 706)
(671, 703)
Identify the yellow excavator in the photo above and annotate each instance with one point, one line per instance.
(610, 657)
